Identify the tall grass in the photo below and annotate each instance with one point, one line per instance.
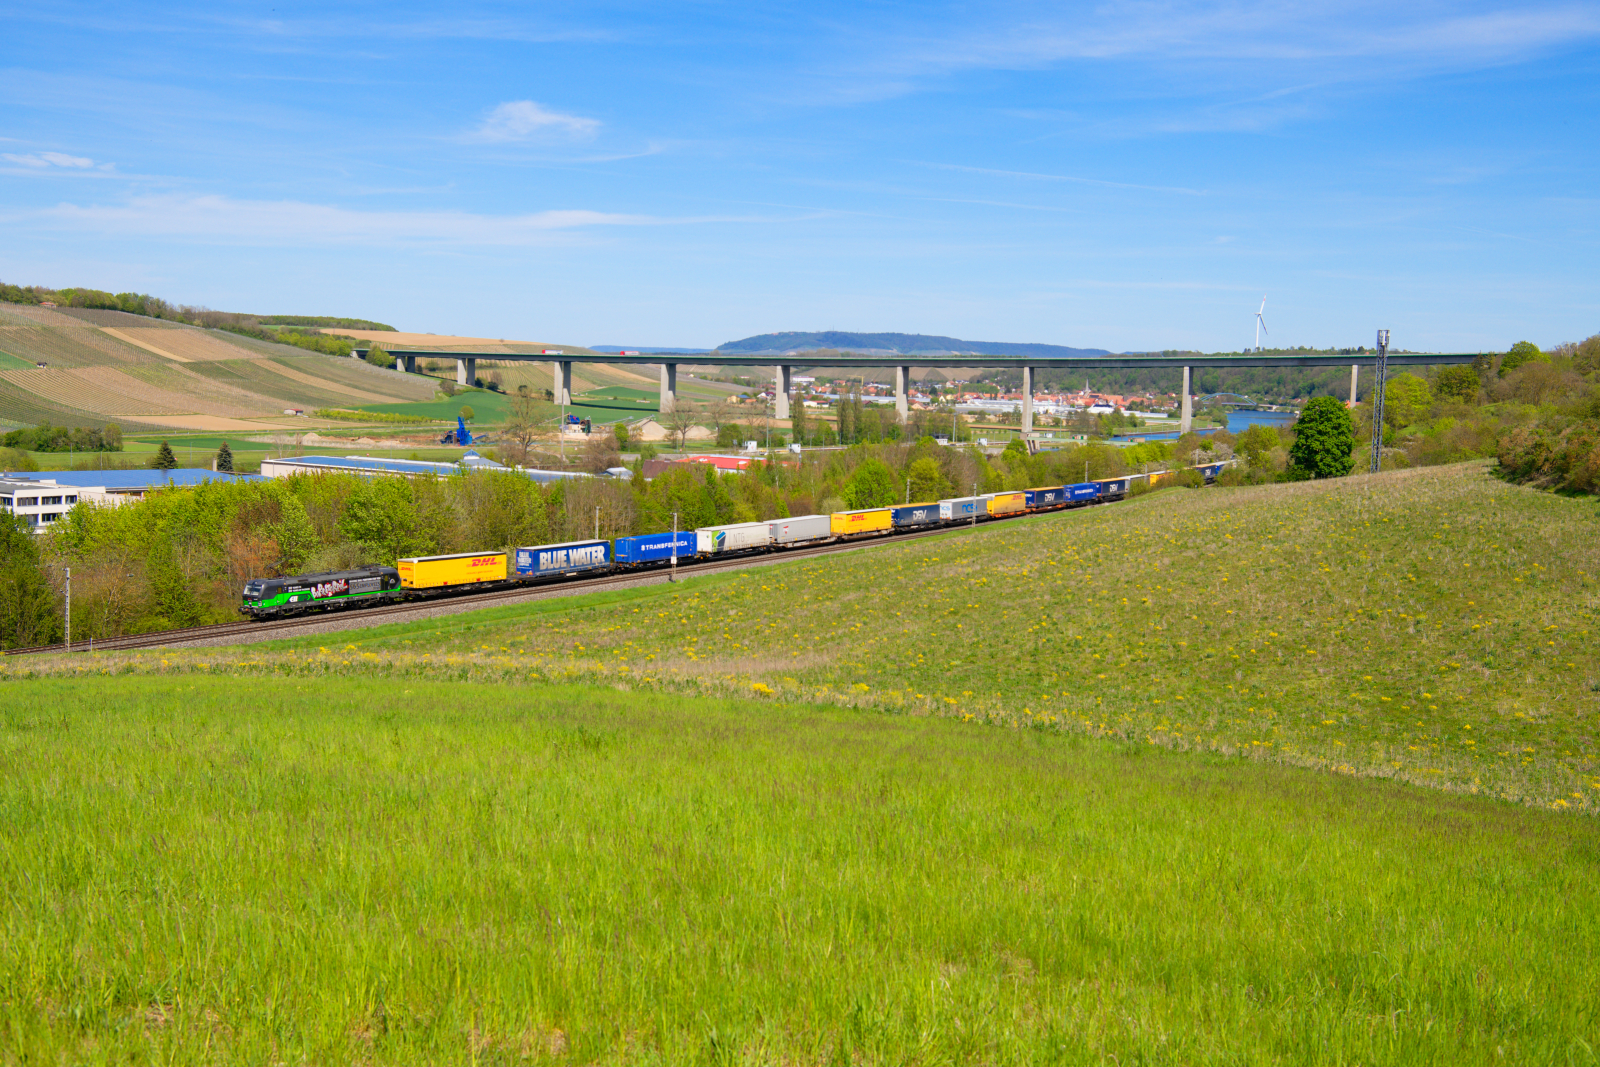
(285, 870)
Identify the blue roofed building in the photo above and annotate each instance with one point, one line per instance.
(40, 498)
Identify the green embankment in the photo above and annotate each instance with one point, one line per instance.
(321, 869)
(1435, 626)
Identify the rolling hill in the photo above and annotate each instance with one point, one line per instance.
(909, 344)
(88, 367)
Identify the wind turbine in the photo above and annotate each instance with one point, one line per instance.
(1261, 324)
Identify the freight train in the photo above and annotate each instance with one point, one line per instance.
(429, 576)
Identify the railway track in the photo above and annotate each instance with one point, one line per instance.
(255, 628)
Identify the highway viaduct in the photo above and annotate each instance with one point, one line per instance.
(783, 366)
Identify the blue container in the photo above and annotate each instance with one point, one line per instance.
(915, 515)
(1081, 492)
(1112, 487)
(1052, 497)
(572, 557)
(1210, 470)
(654, 548)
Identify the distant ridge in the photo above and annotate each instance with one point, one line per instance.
(888, 344)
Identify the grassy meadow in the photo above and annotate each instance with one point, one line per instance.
(294, 869)
(1047, 791)
(1435, 626)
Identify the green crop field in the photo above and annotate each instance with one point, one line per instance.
(1294, 773)
(318, 870)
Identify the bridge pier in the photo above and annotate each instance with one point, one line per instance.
(782, 386)
(1186, 411)
(466, 371)
(1027, 399)
(406, 364)
(561, 378)
(902, 393)
(669, 387)
(1355, 370)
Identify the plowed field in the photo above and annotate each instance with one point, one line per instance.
(187, 344)
(158, 399)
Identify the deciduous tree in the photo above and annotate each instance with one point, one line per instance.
(1324, 439)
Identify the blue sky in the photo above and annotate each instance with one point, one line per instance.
(1132, 176)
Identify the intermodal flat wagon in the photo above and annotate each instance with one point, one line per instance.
(909, 515)
(1082, 493)
(1006, 503)
(863, 521)
(961, 507)
(570, 557)
(735, 537)
(654, 548)
(1049, 496)
(266, 597)
(461, 568)
(801, 529)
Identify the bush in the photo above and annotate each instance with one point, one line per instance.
(379, 358)
(1554, 456)
(1521, 353)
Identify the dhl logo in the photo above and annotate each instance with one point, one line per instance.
(484, 561)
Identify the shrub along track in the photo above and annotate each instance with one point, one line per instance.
(247, 631)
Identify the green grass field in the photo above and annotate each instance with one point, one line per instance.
(492, 409)
(1297, 773)
(1435, 626)
(308, 870)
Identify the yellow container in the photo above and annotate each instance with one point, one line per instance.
(464, 568)
(1008, 503)
(868, 520)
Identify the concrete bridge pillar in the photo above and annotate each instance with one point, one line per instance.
(784, 384)
(1027, 399)
(1186, 413)
(669, 387)
(561, 389)
(902, 393)
(406, 364)
(466, 371)
(1355, 370)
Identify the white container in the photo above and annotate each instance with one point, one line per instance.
(736, 537)
(962, 507)
(801, 528)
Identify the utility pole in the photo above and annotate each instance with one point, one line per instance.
(974, 505)
(1381, 367)
(597, 522)
(69, 609)
(672, 575)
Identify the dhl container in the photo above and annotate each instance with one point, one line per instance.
(1007, 503)
(865, 521)
(463, 568)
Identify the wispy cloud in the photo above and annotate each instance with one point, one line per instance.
(49, 160)
(524, 120)
(224, 220)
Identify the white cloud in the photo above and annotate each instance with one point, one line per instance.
(522, 120)
(46, 160)
(224, 220)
